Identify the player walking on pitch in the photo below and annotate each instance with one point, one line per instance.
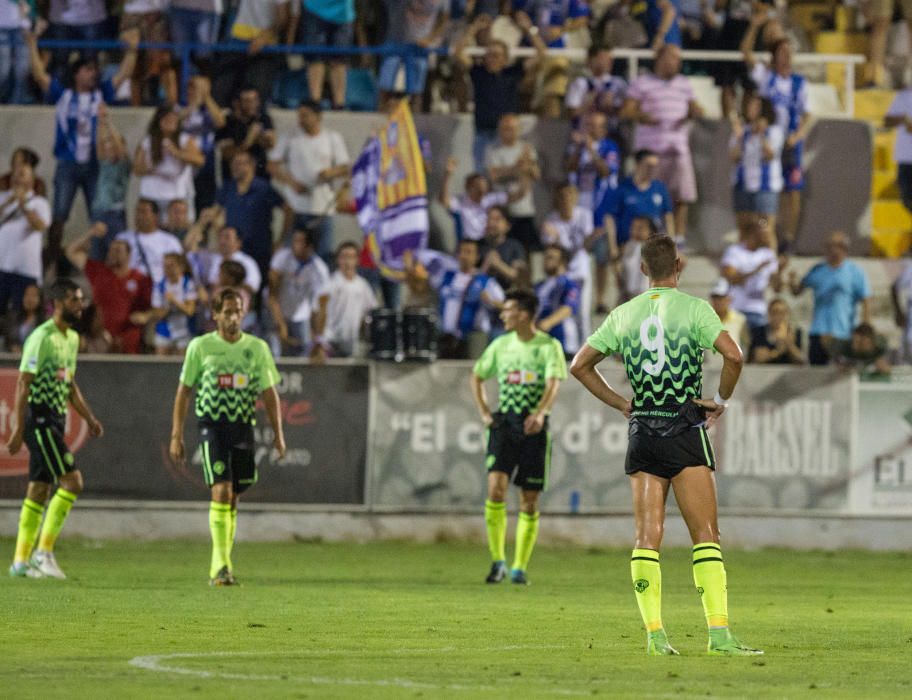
(529, 365)
(229, 370)
(661, 335)
(47, 384)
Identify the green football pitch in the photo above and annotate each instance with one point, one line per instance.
(391, 620)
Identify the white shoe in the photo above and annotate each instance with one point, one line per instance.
(46, 564)
(22, 569)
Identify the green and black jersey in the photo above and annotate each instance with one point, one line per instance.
(50, 355)
(228, 377)
(522, 369)
(660, 335)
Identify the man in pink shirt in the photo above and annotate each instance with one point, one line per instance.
(662, 104)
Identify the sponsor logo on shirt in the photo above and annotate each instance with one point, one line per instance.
(233, 381)
(522, 376)
(32, 363)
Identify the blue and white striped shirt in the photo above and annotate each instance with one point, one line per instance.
(754, 174)
(77, 119)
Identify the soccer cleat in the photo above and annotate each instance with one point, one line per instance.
(46, 565)
(22, 569)
(498, 572)
(723, 643)
(223, 578)
(518, 576)
(657, 644)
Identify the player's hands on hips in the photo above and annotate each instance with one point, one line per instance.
(14, 444)
(487, 419)
(713, 410)
(96, 429)
(176, 450)
(534, 423)
(279, 445)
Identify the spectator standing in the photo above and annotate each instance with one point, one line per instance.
(195, 22)
(247, 128)
(412, 25)
(148, 243)
(299, 298)
(502, 257)
(593, 161)
(14, 55)
(879, 14)
(631, 279)
(865, 352)
(660, 20)
(510, 162)
(307, 163)
(82, 21)
(788, 92)
(901, 296)
(24, 217)
(729, 74)
(756, 149)
(495, 83)
(76, 128)
(248, 203)
(570, 227)
(21, 321)
(778, 342)
(257, 24)
(351, 299)
(153, 70)
(597, 89)
(327, 23)
(121, 293)
(470, 209)
(165, 159)
(733, 321)
(228, 247)
(202, 118)
(899, 116)
(114, 168)
(177, 219)
(839, 285)
(751, 267)
(468, 298)
(173, 306)
(662, 104)
(558, 301)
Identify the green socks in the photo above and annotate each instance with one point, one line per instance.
(647, 582)
(57, 512)
(29, 522)
(231, 531)
(526, 533)
(709, 578)
(496, 523)
(220, 527)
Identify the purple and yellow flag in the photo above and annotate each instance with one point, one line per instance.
(390, 191)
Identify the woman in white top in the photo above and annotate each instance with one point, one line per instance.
(165, 161)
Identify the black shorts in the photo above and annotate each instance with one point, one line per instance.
(228, 454)
(49, 457)
(510, 450)
(665, 450)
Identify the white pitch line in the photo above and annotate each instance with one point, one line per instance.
(154, 662)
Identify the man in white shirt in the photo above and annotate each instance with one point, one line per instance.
(148, 243)
(228, 247)
(508, 161)
(597, 89)
(900, 116)
(307, 163)
(751, 267)
(298, 298)
(24, 217)
(351, 299)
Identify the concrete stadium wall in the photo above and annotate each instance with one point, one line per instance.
(838, 162)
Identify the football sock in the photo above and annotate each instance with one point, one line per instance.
(526, 532)
(231, 531)
(710, 580)
(647, 582)
(496, 522)
(29, 522)
(57, 512)
(220, 527)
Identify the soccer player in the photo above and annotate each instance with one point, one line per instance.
(47, 384)
(661, 335)
(529, 366)
(229, 370)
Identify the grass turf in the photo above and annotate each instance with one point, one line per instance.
(393, 620)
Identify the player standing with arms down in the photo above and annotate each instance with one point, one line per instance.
(229, 370)
(47, 384)
(661, 335)
(529, 365)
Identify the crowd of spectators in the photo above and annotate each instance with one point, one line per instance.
(212, 172)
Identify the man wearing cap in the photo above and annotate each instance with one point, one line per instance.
(733, 321)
